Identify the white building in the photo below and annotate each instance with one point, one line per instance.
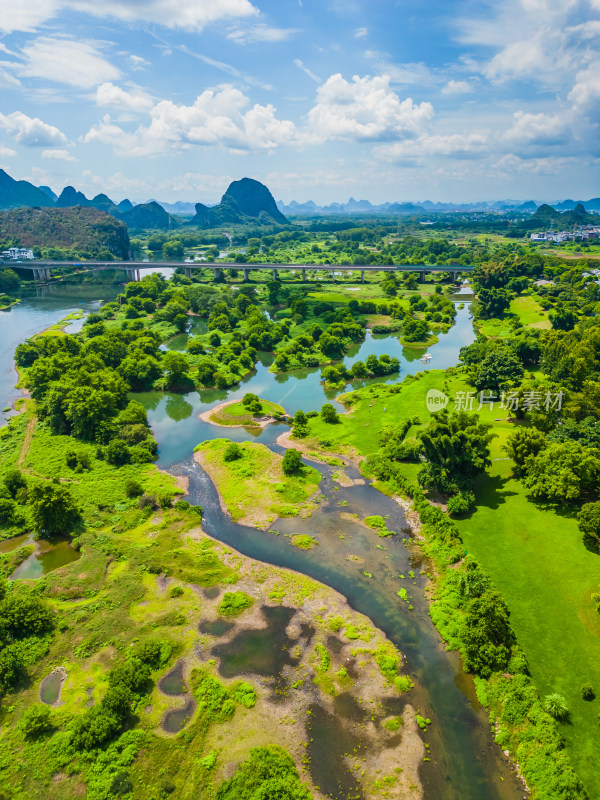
(17, 254)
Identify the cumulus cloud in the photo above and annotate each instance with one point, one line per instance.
(261, 33)
(365, 109)
(111, 96)
(31, 131)
(59, 155)
(28, 15)
(64, 60)
(217, 117)
(585, 94)
(6, 152)
(539, 129)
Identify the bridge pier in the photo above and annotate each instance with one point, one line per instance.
(246, 274)
(362, 276)
(187, 272)
(274, 274)
(218, 273)
(422, 277)
(303, 276)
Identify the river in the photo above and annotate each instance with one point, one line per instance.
(465, 763)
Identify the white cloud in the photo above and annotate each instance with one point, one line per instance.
(28, 15)
(7, 80)
(585, 94)
(63, 60)
(138, 63)
(25, 15)
(457, 87)
(261, 33)
(457, 145)
(551, 165)
(31, 131)
(540, 40)
(365, 109)
(111, 96)
(360, 33)
(59, 155)
(217, 117)
(301, 65)
(5, 152)
(539, 129)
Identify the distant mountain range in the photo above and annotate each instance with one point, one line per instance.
(365, 207)
(245, 201)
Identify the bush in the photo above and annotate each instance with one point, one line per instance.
(244, 693)
(35, 721)
(78, 460)
(176, 591)
(233, 452)
(556, 705)
(292, 462)
(234, 603)
(461, 503)
(117, 453)
(148, 501)
(15, 480)
(587, 691)
(133, 488)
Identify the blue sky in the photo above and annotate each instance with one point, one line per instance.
(382, 100)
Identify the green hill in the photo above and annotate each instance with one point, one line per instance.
(85, 230)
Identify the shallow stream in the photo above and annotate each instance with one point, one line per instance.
(465, 763)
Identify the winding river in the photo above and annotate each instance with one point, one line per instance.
(464, 762)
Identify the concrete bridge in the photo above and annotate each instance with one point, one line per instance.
(42, 270)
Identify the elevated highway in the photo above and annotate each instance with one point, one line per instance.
(42, 270)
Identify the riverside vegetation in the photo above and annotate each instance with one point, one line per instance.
(130, 527)
(77, 463)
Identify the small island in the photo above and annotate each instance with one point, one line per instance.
(255, 485)
(249, 412)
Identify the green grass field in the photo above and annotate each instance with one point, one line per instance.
(534, 554)
(536, 558)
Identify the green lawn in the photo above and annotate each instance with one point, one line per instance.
(537, 559)
(530, 312)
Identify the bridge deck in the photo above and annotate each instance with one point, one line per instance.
(134, 265)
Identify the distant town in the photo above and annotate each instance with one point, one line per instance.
(581, 234)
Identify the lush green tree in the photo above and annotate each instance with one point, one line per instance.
(176, 369)
(292, 462)
(500, 366)
(522, 444)
(9, 280)
(589, 521)
(486, 634)
(53, 510)
(493, 302)
(556, 705)
(329, 414)
(14, 480)
(456, 448)
(563, 473)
